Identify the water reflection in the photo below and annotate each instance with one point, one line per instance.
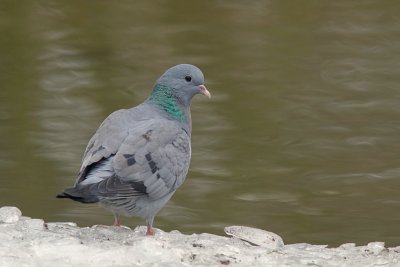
(65, 74)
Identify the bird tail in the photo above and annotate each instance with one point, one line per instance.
(79, 195)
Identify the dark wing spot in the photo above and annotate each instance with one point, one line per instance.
(152, 164)
(127, 156)
(158, 176)
(130, 159)
(148, 156)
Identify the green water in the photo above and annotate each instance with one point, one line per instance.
(301, 137)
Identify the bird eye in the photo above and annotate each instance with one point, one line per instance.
(188, 78)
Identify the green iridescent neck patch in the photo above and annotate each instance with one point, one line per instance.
(164, 98)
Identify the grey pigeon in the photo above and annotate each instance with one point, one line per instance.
(138, 157)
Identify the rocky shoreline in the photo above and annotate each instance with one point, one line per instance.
(32, 242)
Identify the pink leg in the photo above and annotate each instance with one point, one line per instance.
(117, 222)
(150, 230)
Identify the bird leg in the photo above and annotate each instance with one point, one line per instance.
(117, 221)
(150, 230)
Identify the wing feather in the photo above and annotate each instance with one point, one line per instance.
(150, 159)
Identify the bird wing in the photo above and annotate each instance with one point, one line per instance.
(156, 157)
(103, 145)
(150, 157)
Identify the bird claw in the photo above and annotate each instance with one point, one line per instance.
(150, 231)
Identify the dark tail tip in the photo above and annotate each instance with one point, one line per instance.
(62, 195)
(76, 195)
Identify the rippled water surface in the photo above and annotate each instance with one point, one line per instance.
(301, 137)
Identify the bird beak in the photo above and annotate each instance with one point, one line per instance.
(203, 90)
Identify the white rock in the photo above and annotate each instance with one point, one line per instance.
(255, 236)
(34, 224)
(375, 247)
(9, 214)
(347, 245)
(28, 243)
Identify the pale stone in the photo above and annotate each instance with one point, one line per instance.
(9, 214)
(255, 236)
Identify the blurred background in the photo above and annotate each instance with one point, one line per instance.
(301, 137)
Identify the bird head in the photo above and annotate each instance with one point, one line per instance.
(184, 81)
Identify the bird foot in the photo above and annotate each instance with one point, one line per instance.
(117, 222)
(150, 231)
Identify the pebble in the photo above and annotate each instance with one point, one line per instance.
(9, 214)
(375, 247)
(255, 236)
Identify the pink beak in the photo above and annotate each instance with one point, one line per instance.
(204, 91)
